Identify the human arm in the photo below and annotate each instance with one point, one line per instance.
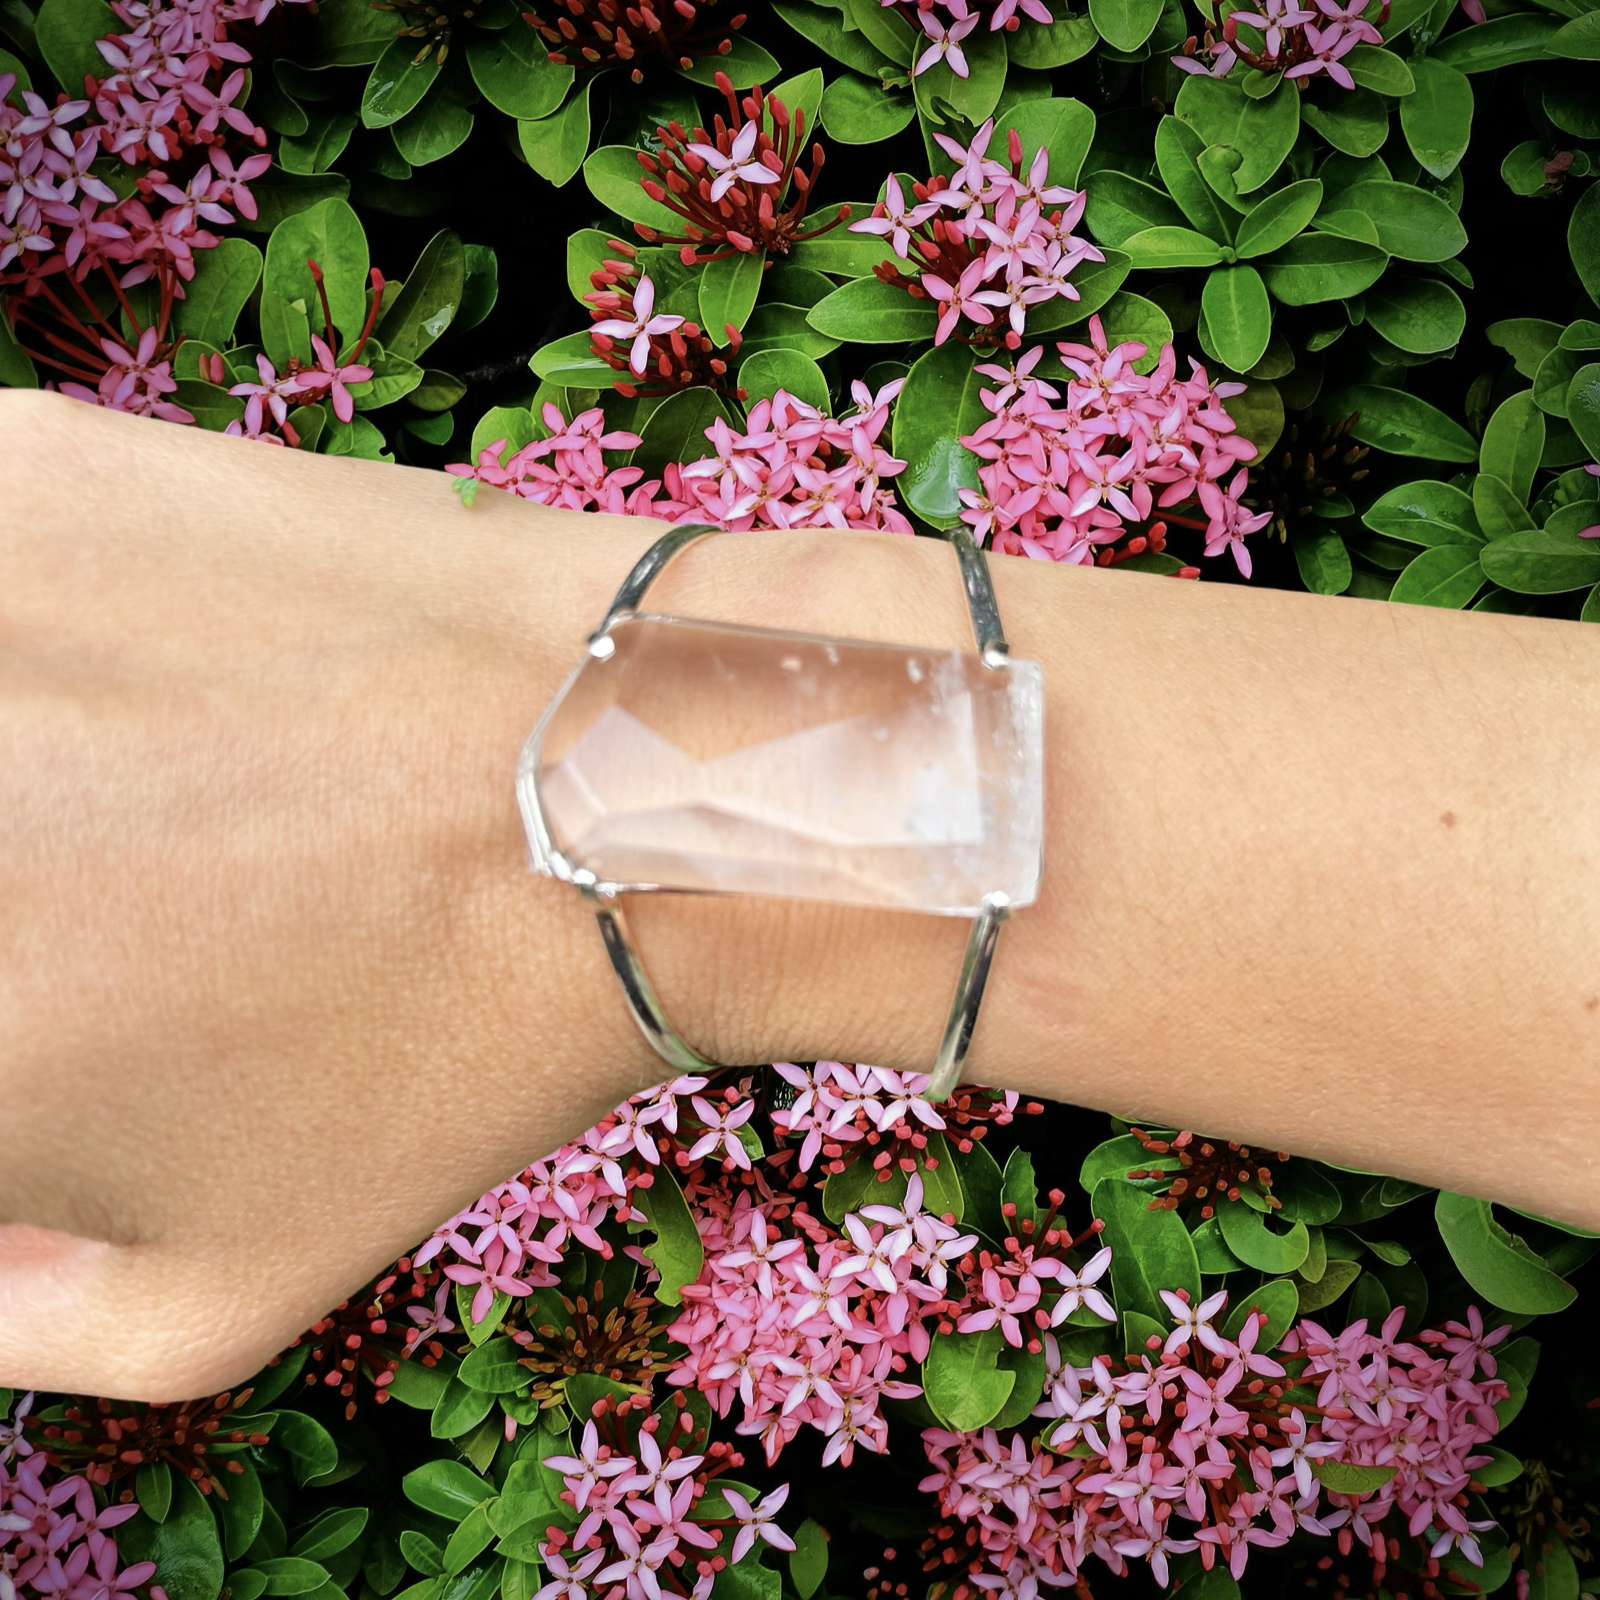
(277, 991)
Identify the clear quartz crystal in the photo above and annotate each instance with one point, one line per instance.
(739, 760)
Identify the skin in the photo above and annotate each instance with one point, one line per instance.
(278, 992)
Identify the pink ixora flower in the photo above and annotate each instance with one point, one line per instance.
(946, 39)
(642, 326)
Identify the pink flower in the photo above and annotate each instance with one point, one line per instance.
(757, 1521)
(729, 169)
(643, 326)
(946, 39)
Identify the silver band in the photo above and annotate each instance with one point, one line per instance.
(641, 996)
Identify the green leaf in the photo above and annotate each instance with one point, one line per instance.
(1274, 221)
(780, 327)
(1500, 512)
(16, 369)
(447, 1488)
(1411, 224)
(332, 1532)
(1278, 1302)
(493, 1368)
(331, 234)
(459, 1410)
(1552, 1573)
(571, 363)
(1171, 247)
(513, 71)
(1067, 39)
(1355, 123)
(747, 64)
(1323, 562)
(349, 34)
(437, 128)
(1527, 340)
(1498, 42)
(310, 1446)
(728, 290)
(1120, 206)
(1503, 1469)
(428, 300)
(1513, 442)
(613, 175)
(289, 1575)
(554, 146)
(1116, 1158)
(857, 110)
(396, 83)
(65, 32)
(1335, 1279)
(1125, 24)
(1238, 315)
(981, 1185)
(1437, 119)
(1262, 131)
(1317, 267)
(1548, 560)
(886, 30)
(808, 1561)
(1247, 1235)
(185, 1547)
(1578, 40)
(468, 1542)
(241, 1513)
(858, 1186)
(1258, 415)
(868, 311)
(939, 403)
(1019, 1188)
(1062, 127)
(1426, 512)
(1447, 576)
(246, 1584)
(1496, 1263)
(973, 96)
(677, 1252)
(826, 27)
(224, 279)
(1583, 406)
(1419, 315)
(747, 1579)
(1340, 1477)
(1178, 152)
(1382, 70)
(768, 371)
(152, 1488)
(963, 1381)
(325, 140)
(676, 432)
(1403, 425)
(1150, 1250)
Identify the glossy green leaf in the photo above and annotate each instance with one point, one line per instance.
(981, 1183)
(677, 1252)
(940, 402)
(397, 83)
(963, 1381)
(1318, 267)
(1425, 512)
(1378, 69)
(728, 291)
(1277, 1301)
(1437, 119)
(1356, 122)
(1262, 131)
(1337, 1276)
(554, 146)
(1553, 559)
(808, 1561)
(472, 1536)
(1498, 42)
(1125, 24)
(224, 279)
(857, 110)
(1171, 247)
(311, 1448)
(1499, 508)
(859, 1185)
(869, 311)
(16, 368)
(1067, 39)
(1419, 315)
(1278, 218)
(1411, 224)
(330, 233)
(427, 302)
(1553, 1574)
(825, 27)
(1583, 407)
(1496, 1263)
(332, 1532)
(1448, 576)
(1119, 206)
(241, 1513)
(460, 1409)
(1063, 128)
(1513, 442)
(438, 127)
(493, 1368)
(185, 1546)
(768, 371)
(784, 328)
(1150, 1250)
(1323, 561)
(289, 1575)
(1238, 315)
(1405, 425)
(887, 30)
(1578, 40)
(1341, 1477)
(447, 1488)
(973, 96)
(1246, 1234)
(1178, 152)
(66, 31)
(746, 64)
(152, 1488)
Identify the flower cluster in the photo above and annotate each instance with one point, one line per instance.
(836, 1107)
(655, 1516)
(789, 467)
(947, 22)
(812, 1331)
(1064, 469)
(55, 1537)
(71, 249)
(985, 244)
(655, 352)
(732, 183)
(1209, 1444)
(1299, 41)
(608, 33)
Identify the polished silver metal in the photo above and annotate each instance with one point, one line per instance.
(605, 901)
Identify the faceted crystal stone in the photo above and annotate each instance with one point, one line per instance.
(739, 760)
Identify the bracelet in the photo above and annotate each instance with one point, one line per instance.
(853, 771)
